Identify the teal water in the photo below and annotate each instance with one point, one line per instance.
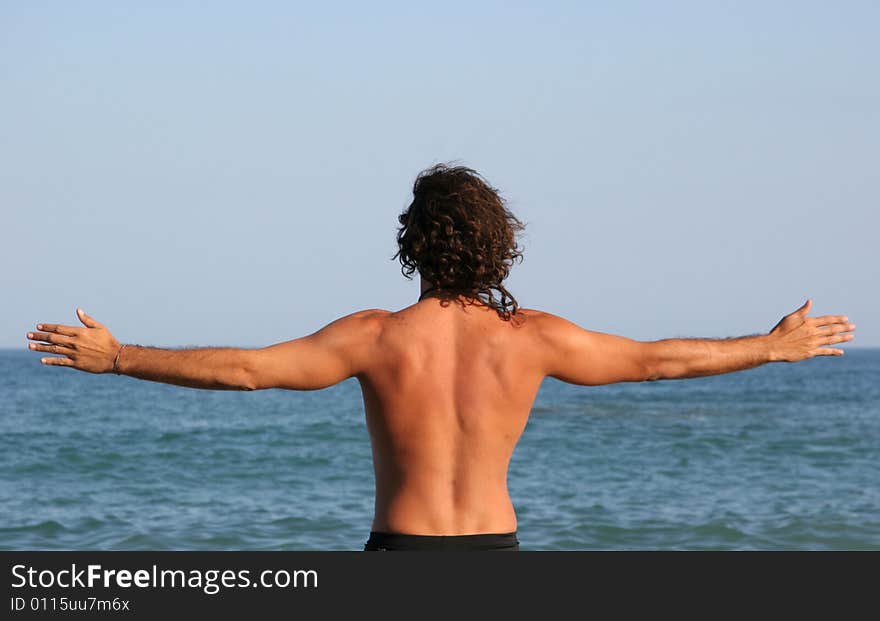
(779, 457)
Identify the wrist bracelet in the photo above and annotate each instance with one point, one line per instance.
(116, 361)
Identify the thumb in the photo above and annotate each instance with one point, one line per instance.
(87, 320)
(805, 309)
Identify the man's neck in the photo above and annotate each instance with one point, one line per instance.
(425, 286)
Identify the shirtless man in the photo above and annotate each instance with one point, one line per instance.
(449, 381)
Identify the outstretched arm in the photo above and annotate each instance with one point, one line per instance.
(334, 353)
(583, 357)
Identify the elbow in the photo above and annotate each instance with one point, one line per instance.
(652, 376)
(658, 364)
(652, 365)
(651, 372)
(248, 375)
(244, 380)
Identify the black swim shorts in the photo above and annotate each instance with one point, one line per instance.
(387, 542)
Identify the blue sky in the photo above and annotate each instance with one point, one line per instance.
(230, 173)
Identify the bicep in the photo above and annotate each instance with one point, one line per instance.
(320, 360)
(589, 358)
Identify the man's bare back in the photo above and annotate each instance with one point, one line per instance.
(446, 398)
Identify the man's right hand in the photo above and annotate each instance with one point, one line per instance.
(91, 348)
(798, 337)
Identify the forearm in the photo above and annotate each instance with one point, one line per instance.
(685, 358)
(215, 368)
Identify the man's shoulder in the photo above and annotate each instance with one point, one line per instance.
(540, 318)
(360, 328)
(362, 321)
(533, 312)
(547, 325)
(368, 320)
(368, 314)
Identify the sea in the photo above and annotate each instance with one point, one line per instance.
(781, 457)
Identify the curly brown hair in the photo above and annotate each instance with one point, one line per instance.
(460, 236)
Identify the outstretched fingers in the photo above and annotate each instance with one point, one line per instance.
(60, 329)
(829, 320)
(836, 329)
(827, 351)
(60, 361)
(840, 338)
(51, 349)
(49, 337)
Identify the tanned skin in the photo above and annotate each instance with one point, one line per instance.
(447, 389)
